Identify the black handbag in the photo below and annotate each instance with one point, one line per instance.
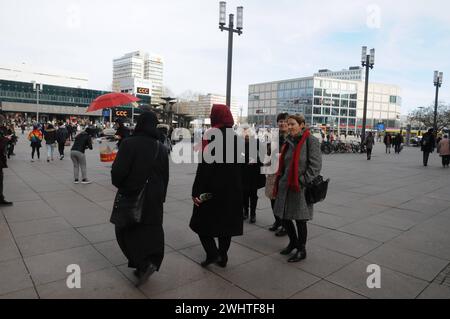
(128, 206)
(316, 190)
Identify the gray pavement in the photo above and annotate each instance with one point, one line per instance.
(390, 211)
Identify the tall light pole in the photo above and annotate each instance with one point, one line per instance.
(37, 87)
(367, 61)
(438, 76)
(231, 31)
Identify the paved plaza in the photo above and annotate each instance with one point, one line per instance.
(390, 211)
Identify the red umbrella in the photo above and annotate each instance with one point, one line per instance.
(111, 100)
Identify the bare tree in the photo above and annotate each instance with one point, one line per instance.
(425, 115)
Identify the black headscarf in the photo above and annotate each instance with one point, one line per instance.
(146, 125)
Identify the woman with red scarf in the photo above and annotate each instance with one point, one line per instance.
(219, 215)
(300, 164)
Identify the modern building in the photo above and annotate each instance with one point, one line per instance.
(354, 73)
(139, 70)
(201, 109)
(325, 101)
(20, 99)
(26, 73)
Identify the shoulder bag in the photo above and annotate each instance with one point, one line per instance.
(316, 190)
(128, 208)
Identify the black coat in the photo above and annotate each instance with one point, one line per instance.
(3, 161)
(428, 142)
(134, 163)
(222, 215)
(252, 179)
(50, 136)
(62, 135)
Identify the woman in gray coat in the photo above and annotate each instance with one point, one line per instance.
(300, 164)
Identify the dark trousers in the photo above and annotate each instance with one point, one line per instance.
(278, 221)
(2, 198)
(426, 155)
(297, 238)
(369, 153)
(10, 149)
(388, 148)
(250, 198)
(397, 148)
(61, 148)
(210, 246)
(445, 160)
(35, 149)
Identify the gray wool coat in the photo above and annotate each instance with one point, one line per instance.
(289, 204)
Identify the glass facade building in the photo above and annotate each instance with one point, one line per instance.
(324, 102)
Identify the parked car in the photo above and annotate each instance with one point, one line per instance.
(415, 141)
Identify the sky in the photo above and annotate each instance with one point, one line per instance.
(281, 39)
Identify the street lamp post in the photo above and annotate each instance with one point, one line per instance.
(37, 87)
(367, 61)
(231, 31)
(438, 76)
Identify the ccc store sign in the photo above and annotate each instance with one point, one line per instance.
(122, 113)
(143, 91)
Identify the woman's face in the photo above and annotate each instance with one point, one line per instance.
(283, 126)
(294, 127)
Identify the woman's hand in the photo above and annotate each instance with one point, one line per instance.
(196, 201)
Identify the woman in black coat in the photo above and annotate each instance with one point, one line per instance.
(141, 157)
(221, 216)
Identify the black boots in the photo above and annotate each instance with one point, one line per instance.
(209, 261)
(287, 250)
(245, 213)
(299, 255)
(253, 204)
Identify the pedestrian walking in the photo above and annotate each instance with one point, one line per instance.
(141, 160)
(220, 216)
(61, 137)
(252, 179)
(35, 137)
(388, 142)
(428, 143)
(83, 141)
(398, 141)
(300, 164)
(444, 150)
(22, 127)
(3, 164)
(50, 141)
(12, 140)
(283, 132)
(370, 142)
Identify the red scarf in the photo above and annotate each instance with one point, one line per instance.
(293, 183)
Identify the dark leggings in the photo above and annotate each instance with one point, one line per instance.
(210, 246)
(277, 219)
(33, 149)
(61, 148)
(296, 238)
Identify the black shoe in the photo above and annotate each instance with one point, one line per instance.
(209, 261)
(299, 255)
(282, 232)
(274, 227)
(5, 203)
(252, 219)
(287, 250)
(222, 261)
(144, 275)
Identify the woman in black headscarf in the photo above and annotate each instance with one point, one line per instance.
(140, 157)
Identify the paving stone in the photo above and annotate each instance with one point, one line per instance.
(212, 287)
(112, 252)
(28, 293)
(8, 248)
(434, 291)
(52, 266)
(346, 244)
(50, 242)
(98, 233)
(176, 271)
(371, 231)
(282, 282)
(406, 261)
(14, 276)
(394, 285)
(262, 241)
(103, 284)
(326, 290)
(436, 244)
(39, 226)
(330, 221)
(29, 210)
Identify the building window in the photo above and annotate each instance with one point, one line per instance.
(352, 104)
(335, 102)
(344, 103)
(317, 110)
(344, 112)
(317, 101)
(326, 111)
(352, 113)
(318, 92)
(393, 99)
(334, 112)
